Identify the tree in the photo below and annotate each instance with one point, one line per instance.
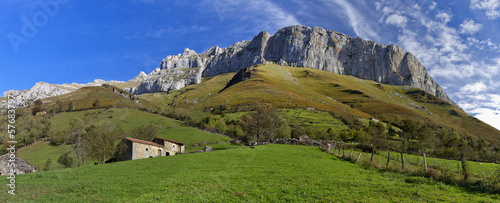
(263, 120)
(59, 106)
(71, 106)
(48, 165)
(96, 103)
(145, 132)
(37, 107)
(409, 132)
(378, 134)
(65, 160)
(77, 139)
(101, 139)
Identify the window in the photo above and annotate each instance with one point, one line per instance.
(173, 146)
(147, 149)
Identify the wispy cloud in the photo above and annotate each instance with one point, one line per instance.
(470, 27)
(164, 32)
(357, 21)
(482, 44)
(490, 7)
(258, 14)
(443, 17)
(397, 20)
(433, 5)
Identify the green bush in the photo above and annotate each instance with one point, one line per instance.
(65, 160)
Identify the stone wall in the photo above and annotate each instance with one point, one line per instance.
(141, 151)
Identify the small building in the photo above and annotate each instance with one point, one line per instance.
(132, 148)
(171, 146)
(21, 166)
(311, 108)
(304, 138)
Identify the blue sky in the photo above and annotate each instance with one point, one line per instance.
(65, 41)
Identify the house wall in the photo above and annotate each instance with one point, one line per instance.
(22, 167)
(174, 148)
(4, 169)
(139, 151)
(126, 152)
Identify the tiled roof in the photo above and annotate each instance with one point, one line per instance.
(172, 141)
(143, 142)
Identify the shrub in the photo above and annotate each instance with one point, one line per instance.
(366, 148)
(65, 160)
(48, 164)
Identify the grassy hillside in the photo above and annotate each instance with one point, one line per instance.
(194, 138)
(84, 98)
(267, 173)
(342, 95)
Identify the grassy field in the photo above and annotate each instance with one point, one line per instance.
(267, 173)
(195, 139)
(415, 164)
(318, 120)
(38, 153)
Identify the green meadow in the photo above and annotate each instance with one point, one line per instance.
(272, 173)
(194, 138)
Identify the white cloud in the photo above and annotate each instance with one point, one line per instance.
(357, 21)
(255, 15)
(489, 116)
(443, 17)
(433, 5)
(482, 44)
(397, 20)
(164, 32)
(491, 7)
(476, 87)
(469, 27)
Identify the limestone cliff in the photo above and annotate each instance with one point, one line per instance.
(298, 46)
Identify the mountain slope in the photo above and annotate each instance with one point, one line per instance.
(43, 90)
(289, 87)
(297, 46)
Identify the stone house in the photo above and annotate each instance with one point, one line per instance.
(303, 138)
(21, 166)
(131, 148)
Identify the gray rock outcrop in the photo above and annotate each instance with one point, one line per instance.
(297, 46)
(43, 90)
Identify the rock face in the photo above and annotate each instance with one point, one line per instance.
(298, 46)
(43, 90)
(39, 91)
(176, 72)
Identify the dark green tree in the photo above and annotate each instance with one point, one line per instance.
(145, 132)
(96, 103)
(101, 139)
(48, 165)
(66, 160)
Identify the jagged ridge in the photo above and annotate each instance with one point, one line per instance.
(298, 46)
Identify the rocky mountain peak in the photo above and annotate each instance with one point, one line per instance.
(139, 78)
(298, 46)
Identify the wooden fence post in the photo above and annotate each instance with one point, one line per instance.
(388, 159)
(402, 161)
(343, 152)
(350, 155)
(425, 163)
(357, 159)
(371, 159)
